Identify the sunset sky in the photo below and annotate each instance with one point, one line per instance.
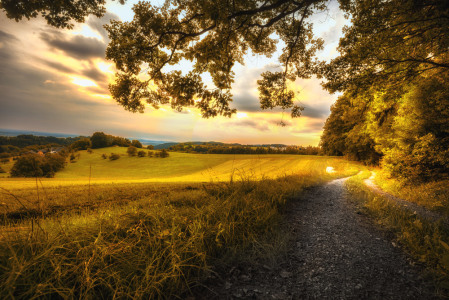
(56, 80)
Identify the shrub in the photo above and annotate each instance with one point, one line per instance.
(150, 147)
(89, 151)
(5, 160)
(141, 153)
(164, 153)
(2, 171)
(114, 156)
(132, 151)
(150, 153)
(72, 157)
(104, 156)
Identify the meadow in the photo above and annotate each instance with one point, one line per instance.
(147, 227)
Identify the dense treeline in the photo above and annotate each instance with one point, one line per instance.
(24, 140)
(393, 70)
(221, 148)
(406, 130)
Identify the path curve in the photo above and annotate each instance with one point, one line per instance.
(333, 253)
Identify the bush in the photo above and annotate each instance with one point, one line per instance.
(89, 151)
(104, 156)
(132, 151)
(114, 156)
(2, 171)
(141, 153)
(150, 147)
(150, 153)
(5, 160)
(164, 153)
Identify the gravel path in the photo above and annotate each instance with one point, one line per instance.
(333, 253)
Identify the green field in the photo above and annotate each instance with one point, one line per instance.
(178, 167)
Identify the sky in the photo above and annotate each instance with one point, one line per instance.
(56, 80)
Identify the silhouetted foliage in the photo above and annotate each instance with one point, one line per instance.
(141, 153)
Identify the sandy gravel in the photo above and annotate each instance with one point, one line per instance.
(333, 253)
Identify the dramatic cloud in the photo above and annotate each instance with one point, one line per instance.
(78, 46)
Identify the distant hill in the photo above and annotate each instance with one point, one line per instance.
(164, 145)
(12, 132)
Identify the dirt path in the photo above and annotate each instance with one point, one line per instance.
(333, 253)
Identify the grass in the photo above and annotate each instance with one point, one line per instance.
(428, 242)
(145, 240)
(432, 195)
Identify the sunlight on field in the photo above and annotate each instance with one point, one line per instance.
(181, 167)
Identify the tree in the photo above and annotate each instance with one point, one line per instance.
(57, 13)
(214, 36)
(82, 144)
(390, 42)
(150, 147)
(136, 144)
(33, 165)
(99, 140)
(141, 153)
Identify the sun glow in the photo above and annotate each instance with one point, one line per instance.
(83, 82)
(241, 115)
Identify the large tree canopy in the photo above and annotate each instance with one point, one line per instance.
(389, 43)
(213, 36)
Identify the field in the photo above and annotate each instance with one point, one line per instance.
(147, 227)
(178, 167)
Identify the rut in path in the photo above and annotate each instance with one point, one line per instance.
(333, 253)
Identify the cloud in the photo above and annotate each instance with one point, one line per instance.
(78, 46)
(58, 66)
(258, 125)
(97, 24)
(95, 74)
(320, 112)
(309, 126)
(6, 37)
(246, 96)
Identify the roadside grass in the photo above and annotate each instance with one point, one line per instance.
(146, 240)
(426, 241)
(432, 195)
